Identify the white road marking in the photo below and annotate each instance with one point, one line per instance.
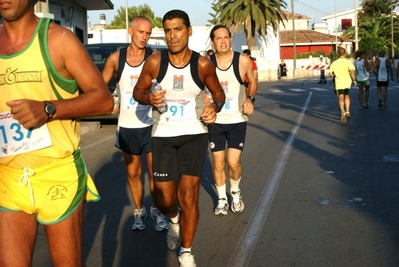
(246, 245)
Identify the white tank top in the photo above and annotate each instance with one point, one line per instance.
(382, 70)
(235, 97)
(361, 72)
(131, 113)
(185, 105)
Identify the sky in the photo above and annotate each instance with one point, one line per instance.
(198, 9)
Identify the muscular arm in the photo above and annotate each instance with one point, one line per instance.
(111, 67)
(375, 64)
(71, 61)
(141, 92)
(246, 69)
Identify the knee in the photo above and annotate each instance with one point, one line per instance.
(188, 198)
(234, 164)
(219, 165)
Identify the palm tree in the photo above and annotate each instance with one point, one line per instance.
(376, 29)
(251, 15)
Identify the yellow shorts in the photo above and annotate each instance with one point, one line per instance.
(52, 192)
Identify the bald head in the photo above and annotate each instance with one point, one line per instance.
(341, 51)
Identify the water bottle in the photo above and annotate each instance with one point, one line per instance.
(155, 87)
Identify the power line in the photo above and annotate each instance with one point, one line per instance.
(315, 9)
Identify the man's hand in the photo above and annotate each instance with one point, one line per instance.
(248, 107)
(29, 113)
(209, 114)
(157, 98)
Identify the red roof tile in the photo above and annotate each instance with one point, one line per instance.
(309, 36)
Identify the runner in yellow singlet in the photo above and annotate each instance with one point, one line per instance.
(43, 178)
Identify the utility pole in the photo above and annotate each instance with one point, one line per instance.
(392, 44)
(294, 36)
(127, 21)
(336, 28)
(356, 29)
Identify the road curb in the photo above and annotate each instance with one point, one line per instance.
(89, 126)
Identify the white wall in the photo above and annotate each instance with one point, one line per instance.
(69, 14)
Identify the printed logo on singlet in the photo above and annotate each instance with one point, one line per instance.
(11, 77)
(133, 80)
(178, 82)
(57, 192)
(225, 86)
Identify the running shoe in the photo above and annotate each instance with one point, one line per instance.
(366, 105)
(222, 208)
(343, 117)
(362, 107)
(380, 103)
(186, 259)
(236, 204)
(173, 237)
(384, 106)
(140, 215)
(159, 219)
(347, 114)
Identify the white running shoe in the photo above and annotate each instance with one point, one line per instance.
(186, 259)
(140, 215)
(159, 219)
(222, 208)
(173, 236)
(236, 204)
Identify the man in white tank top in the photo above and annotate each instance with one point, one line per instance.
(133, 135)
(230, 126)
(362, 78)
(179, 137)
(383, 71)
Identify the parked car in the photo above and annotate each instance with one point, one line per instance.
(99, 54)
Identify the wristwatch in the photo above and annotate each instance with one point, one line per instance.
(218, 106)
(252, 98)
(49, 108)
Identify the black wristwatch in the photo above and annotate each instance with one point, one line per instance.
(218, 106)
(49, 108)
(252, 98)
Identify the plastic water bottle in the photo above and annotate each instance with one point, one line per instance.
(155, 87)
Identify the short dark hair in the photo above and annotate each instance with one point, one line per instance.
(217, 27)
(177, 14)
(247, 52)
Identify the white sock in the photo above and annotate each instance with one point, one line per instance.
(182, 250)
(221, 190)
(176, 219)
(235, 185)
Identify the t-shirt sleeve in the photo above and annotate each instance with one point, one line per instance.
(254, 66)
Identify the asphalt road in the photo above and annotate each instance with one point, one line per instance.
(316, 192)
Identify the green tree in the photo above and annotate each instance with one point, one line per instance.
(375, 33)
(119, 21)
(252, 16)
(377, 8)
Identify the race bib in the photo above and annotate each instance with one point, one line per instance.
(15, 139)
(129, 103)
(180, 111)
(229, 106)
